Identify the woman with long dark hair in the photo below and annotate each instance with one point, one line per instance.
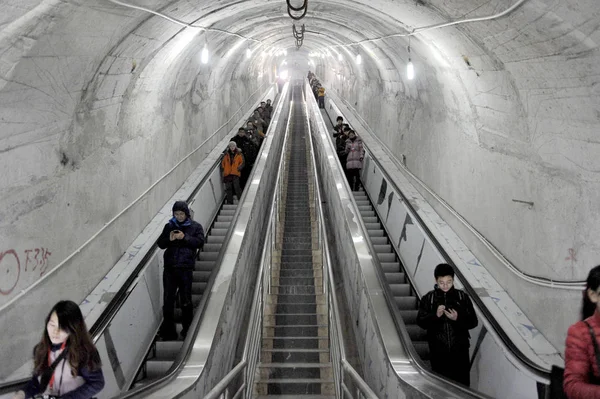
(66, 362)
(582, 352)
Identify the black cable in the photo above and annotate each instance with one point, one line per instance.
(303, 8)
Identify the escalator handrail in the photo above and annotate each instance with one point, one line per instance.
(532, 367)
(395, 313)
(328, 268)
(182, 356)
(113, 307)
(122, 294)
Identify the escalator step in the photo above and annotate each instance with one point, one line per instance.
(422, 348)
(372, 226)
(416, 333)
(401, 290)
(221, 225)
(215, 239)
(380, 249)
(229, 206)
(198, 288)
(225, 218)
(375, 233)
(390, 267)
(409, 316)
(204, 265)
(208, 256)
(389, 257)
(212, 247)
(168, 350)
(406, 302)
(157, 368)
(218, 232)
(395, 278)
(370, 219)
(201, 276)
(367, 213)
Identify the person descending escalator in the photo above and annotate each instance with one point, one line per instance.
(249, 151)
(66, 363)
(181, 238)
(232, 165)
(447, 314)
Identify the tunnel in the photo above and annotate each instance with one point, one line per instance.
(106, 107)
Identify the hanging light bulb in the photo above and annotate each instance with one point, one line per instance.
(359, 59)
(204, 56)
(410, 70)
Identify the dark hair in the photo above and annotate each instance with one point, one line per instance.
(81, 351)
(242, 129)
(442, 270)
(593, 282)
(339, 118)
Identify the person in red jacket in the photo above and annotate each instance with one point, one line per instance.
(582, 373)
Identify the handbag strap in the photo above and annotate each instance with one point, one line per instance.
(595, 343)
(47, 374)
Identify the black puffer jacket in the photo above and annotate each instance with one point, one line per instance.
(181, 253)
(443, 333)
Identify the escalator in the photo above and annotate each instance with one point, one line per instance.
(405, 297)
(162, 354)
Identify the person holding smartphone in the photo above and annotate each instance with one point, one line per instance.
(447, 314)
(181, 238)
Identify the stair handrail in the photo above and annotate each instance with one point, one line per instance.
(335, 331)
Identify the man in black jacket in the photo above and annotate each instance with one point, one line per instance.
(447, 314)
(182, 238)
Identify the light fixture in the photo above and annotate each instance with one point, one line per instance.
(358, 59)
(248, 53)
(410, 68)
(340, 58)
(204, 56)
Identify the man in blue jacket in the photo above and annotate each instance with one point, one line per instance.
(181, 238)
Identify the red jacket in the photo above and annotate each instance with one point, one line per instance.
(580, 360)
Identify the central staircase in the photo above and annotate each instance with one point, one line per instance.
(295, 359)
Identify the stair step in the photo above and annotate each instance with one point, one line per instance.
(390, 257)
(296, 298)
(212, 247)
(295, 289)
(385, 248)
(395, 278)
(280, 331)
(297, 342)
(375, 233)
(222, 225)
(215, 239)
(416, 333)
(283, 308)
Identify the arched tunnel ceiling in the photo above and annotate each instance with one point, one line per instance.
(499, 110)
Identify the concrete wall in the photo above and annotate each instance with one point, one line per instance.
(96, 107)
(500, 111)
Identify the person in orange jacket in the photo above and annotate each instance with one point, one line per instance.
(232, 165)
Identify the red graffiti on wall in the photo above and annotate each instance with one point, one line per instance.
(36, 260)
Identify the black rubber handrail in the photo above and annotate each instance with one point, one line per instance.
(533, 367)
